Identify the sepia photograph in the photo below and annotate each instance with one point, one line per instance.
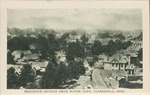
(74, 48)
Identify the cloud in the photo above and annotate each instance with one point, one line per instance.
(116, 19)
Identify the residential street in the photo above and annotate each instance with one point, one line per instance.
(98, 82)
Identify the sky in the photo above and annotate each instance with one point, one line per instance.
(90, 19)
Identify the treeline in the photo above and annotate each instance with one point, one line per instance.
(48, 45)
(110, 48)
(30, 31)
(107, 34)
(139, 37)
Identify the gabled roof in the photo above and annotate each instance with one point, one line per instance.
(138, 42)
(26, 52)
(16, 67)
(16, 52)
(40, 65)
(31, 56)
(133, 55)
(117, 58)
(133, 51)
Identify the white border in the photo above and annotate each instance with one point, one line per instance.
(75, 5)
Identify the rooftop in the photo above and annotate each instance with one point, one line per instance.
(31, 56)
(116, 58)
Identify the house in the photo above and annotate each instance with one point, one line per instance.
(33, 36)
(77, 59)
(115, 62)
(125, 61)
(59, 35)
(130, 69)
(16, 54)
(33, 46)
(137, 44)
(39, 67)
(132, 55)
(72, 38)
(134, 59)
(112, 82)
(60, 56)
(30, 57)
(92, 38)
(111, 78)
(16, 67)
(26, 52)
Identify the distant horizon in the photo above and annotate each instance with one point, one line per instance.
(84, 30)
(71, 19)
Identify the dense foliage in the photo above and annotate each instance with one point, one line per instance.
(108, 34)
(110, 48)
(10, 58)
(46, 44)
(140, 54)
(27, 75)
(56, 75)
(12, 79)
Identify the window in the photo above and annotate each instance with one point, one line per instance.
(112, 64)
(116, 65)
(121, 65)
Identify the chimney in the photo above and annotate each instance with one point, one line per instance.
(129, 60)
(119, 57)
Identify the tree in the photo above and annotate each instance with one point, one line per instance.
(62, 75)
(140, 54)
(53, 45)
(79, 48)
(96, 48)
(10, 58)
(125, 45)
(12, 79)
(118, 45)
(42, 46)
(120, 36)
(105, 35)
(49, 77)
(62, 41)
(75, 49)
(55, 75)
(18, 43)
(110, 48)
(27, 75)
(47, 46)
(139, 37)
(76, 69)
(84, 39)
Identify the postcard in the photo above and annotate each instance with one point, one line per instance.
(75, 47)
